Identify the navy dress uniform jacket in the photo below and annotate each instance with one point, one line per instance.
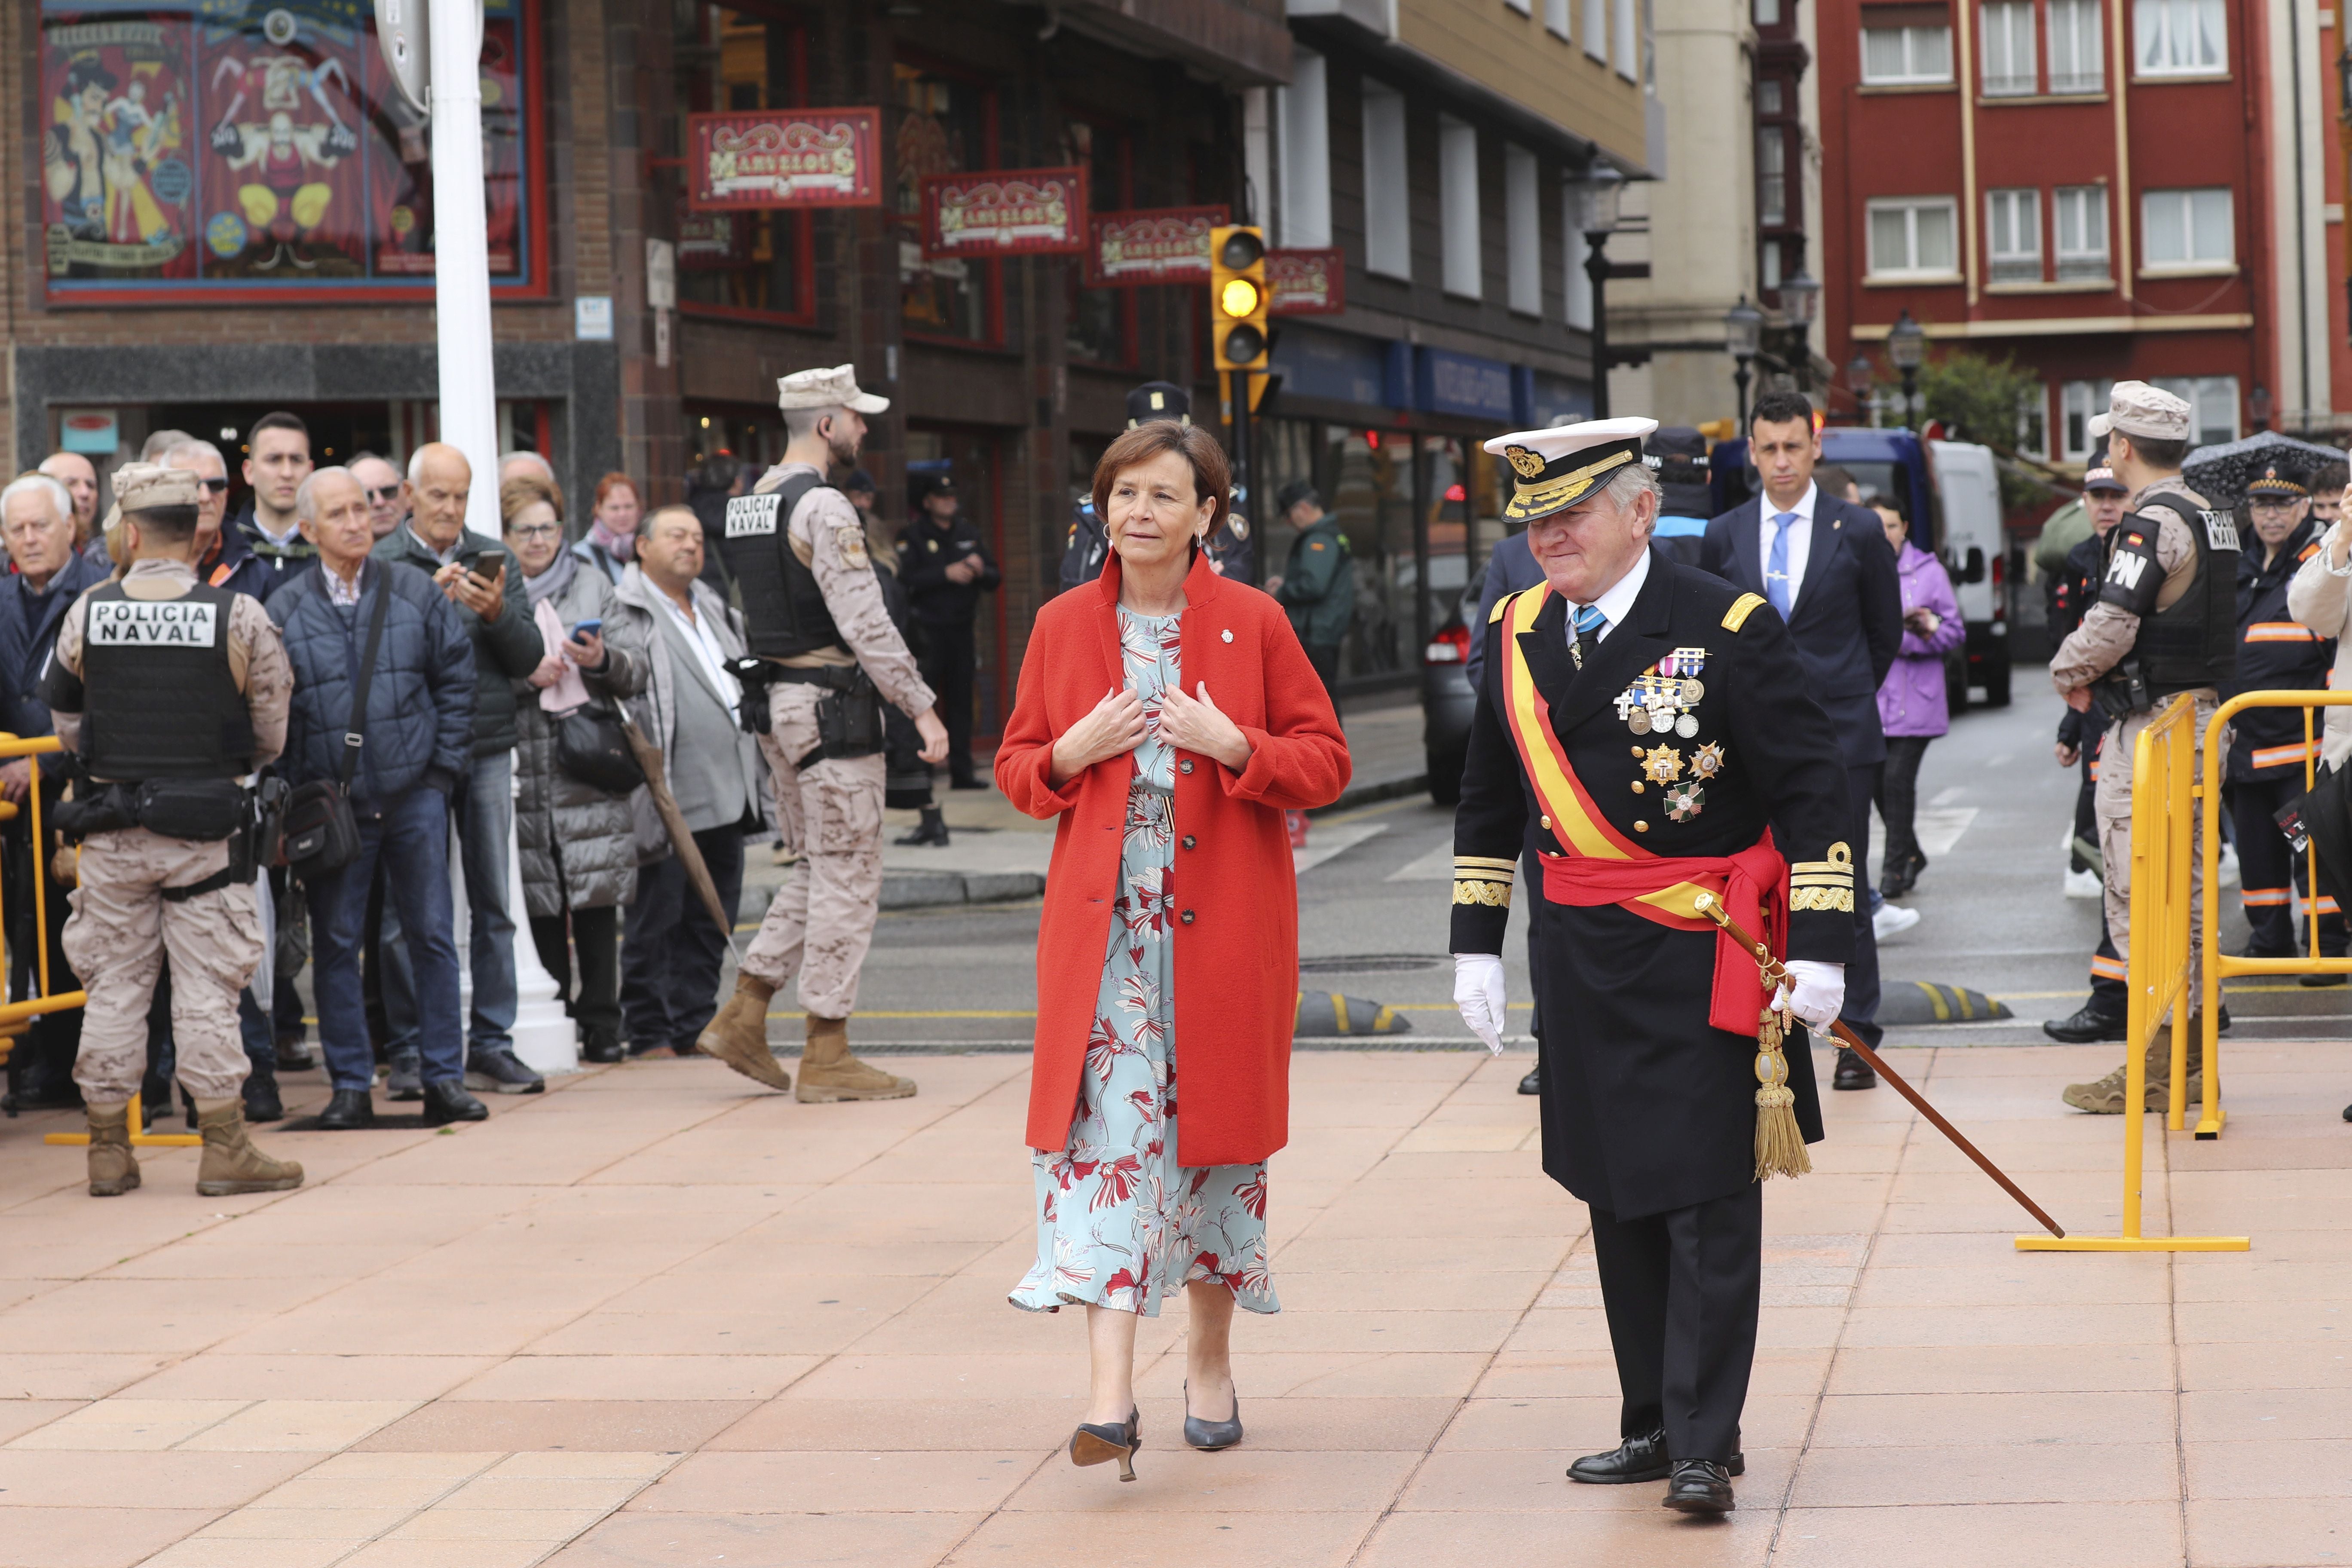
(1847, 622)
(1646, 1106)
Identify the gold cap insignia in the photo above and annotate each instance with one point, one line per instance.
(1528, 464)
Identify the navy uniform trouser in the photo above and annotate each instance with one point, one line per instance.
(1682, 1291)
(2270, 874)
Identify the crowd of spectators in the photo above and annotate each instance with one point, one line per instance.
(458, 659)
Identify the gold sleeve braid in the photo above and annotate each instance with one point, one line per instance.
(1483, 880)
(1824, 884)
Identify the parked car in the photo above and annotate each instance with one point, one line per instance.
(1951, 492)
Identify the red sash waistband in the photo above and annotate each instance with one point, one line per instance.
(1753, 885)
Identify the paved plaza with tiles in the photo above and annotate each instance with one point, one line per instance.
(654, 1318)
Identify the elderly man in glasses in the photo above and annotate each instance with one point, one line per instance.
(223, 557)
(387, 493)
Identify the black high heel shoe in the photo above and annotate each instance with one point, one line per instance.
(1211, 1435)
(1096, 1443)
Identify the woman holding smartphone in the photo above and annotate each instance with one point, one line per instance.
(579, 856)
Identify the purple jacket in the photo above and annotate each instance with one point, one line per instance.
(1912, 701)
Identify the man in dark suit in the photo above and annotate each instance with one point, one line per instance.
(1825, 565)
(1651, 722)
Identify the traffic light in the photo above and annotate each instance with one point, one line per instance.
(1237, 296)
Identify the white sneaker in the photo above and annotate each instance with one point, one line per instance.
(1891, 919)
(2226, 873)
(2085, 884)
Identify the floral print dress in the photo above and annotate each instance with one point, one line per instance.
(1120, 1222)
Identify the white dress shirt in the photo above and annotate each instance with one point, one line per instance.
(706, 651)
(1800, 538)
(1616, 602)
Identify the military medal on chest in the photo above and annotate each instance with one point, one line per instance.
(1661, 698)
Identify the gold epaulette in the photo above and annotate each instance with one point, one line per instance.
(1502, 606)
(1741, 608)
(1822, 884)
(1483, 880)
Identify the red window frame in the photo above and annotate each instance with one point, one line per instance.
(82, 296)
(991, 301)
(804, 224)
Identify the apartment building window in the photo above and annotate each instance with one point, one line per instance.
(1627, 30)
(1914, 237)
(1457, 194)
(1907, 45)
(2080, 402)
(2180, 37)
(1556, 16)
(1768, 13)
(2078, 55)
(1576, 285)
(1771, 176)
(2212, 406)
(2033, 423)
(2080, 224)
(2011, 67)
(1302, 215)
(2013, 234)
(2187, 228)
(1596, 29)
(1523, 230)
(1767, 99)
(1388, 214)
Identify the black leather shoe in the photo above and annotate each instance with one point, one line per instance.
(1533, 1083)
(447, 1101)
(1853, 1072)
(1700, 1486)
(606, 1051)
(348, 1110)
(1638, 1459)
(261, 1101)
(2320, 979)
(2088, 1023)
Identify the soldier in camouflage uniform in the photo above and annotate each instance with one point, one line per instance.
(158, 679)
(814, 611)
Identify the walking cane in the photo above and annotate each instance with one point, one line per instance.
(681, 839)
(1774, 975)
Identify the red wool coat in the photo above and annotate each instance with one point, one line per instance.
(1236, 897)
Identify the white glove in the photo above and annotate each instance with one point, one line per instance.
(1815, 993)
(1479, 992)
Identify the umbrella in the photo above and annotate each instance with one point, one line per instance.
(2221, 473)
(681, 838)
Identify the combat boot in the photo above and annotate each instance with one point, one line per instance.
(738, 1033)
(113, 1168)
(828, 1072)
(231, 1164)
(2105, 1096)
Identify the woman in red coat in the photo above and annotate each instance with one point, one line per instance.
(1168, 717)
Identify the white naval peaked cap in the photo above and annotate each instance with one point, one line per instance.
(1557, 467)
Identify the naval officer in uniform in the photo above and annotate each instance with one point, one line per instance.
(1652, 722)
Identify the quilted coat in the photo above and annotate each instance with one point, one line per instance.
(578, 849)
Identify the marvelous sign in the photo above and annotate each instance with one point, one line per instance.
(1160, 245)
(1005, 212)
(783, 158)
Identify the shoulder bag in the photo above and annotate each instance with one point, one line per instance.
(321, 834)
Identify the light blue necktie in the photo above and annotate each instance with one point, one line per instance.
(1589, 623)
(1776, 569)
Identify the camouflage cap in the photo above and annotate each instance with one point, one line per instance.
(141, 486)
(2135, 409)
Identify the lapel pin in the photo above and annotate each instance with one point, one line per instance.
(1227, 633)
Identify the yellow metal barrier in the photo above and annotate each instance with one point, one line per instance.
(11, 748)
(2164, 796)
(2218, 965)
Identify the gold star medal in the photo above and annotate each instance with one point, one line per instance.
(1661, 765)
(1708, 761)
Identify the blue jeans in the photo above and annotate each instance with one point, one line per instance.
(412, 838)
(484, 813)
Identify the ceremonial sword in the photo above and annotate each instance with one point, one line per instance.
(1775, 975)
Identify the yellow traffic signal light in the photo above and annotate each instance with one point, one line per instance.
(1237, 296)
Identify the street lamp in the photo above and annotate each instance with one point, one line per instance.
(1857, 376)
(1597, 196)
(1907, 345)
(1743, 333)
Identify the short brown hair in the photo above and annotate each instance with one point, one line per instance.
(608, 484)
(653, 519)
(521, 491)
(1211, 475)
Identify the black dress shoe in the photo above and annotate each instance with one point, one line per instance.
(2338, 979)
(1642, 1458)
(447, 1101)
(1533, 1083)
(1700, 1486)
(1853, 1072)
(348, 1110)
(261, 1101)
(2090, 1022)
(594, 1049)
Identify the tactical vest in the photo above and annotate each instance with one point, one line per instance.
(2193, 642)
(784, 612)
(160, 696)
